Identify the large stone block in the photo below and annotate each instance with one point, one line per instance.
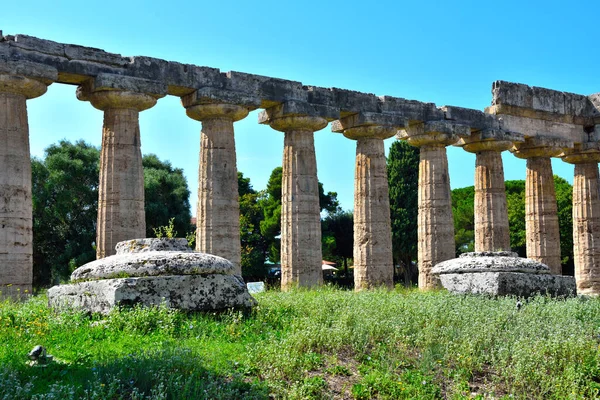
(187, 292)
(509, 283)
(501, 274)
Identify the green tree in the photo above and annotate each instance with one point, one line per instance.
(166, 196)
(338, 237)
(65, 203)
(403, 180)
(253, 245)
(464, 218)
(65, 206)
(270, 202)
(515, 206)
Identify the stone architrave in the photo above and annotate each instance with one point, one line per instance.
(373, 262)
(121, 214)
(541, 214)
(218, 210)
(301, 254)
(18, 83)
(435, 222)
(586, 217)
(491, 215)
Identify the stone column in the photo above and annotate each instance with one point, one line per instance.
(121, 214)
(541, 215)
(301, 257)
(435, 224)
(373, 261)
(16, 237)
(586, 218)
(491, 216)
(218, 210)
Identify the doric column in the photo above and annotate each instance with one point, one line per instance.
(18, 82)
(301, 257)
(373, 263)
(491, 216)
(586, 217)
(541, 215)
(121, 214)
(435, 224)
(218, 210)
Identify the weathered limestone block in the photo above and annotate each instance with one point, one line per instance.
(541, 214)
(140, 274)
(586, 217)
(301, 256)
(184, 292)
(121, 214)
(373, 263)
(435, 221)
(501, 274)
(491, 215)
(218, 210)
(16, 271)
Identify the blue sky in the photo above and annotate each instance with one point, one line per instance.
(444, 52)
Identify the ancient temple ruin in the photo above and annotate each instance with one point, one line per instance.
(533, 123)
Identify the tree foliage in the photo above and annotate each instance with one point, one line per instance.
(464, 224)
(166, 196)
(65, 206)
(253, 245)
(403, 180)
(65, 203)
(338, 237)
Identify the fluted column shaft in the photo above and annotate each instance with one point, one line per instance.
(541, 214)
(435, 222)
(301, 256)
(16, 236)
(373, 264)
(121, 214)
(491, 216)
(586, 228)
(218, 210)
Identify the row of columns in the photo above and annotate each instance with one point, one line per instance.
(121, 192)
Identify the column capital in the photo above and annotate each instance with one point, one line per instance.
(369, 125)
(26, 78)
(434, 133)
(109, 91)
(584, 153)
(541, 147)
(297, 115)
(202, 112)
(490, 140)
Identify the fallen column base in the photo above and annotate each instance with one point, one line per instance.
(509, 283)
(185, 292)
(501, 274)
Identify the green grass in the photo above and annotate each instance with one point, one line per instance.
(310, 344)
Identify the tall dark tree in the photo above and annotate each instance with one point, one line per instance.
(65, 206)
(166, 196)
(338, 237)
(403, 179)
(65, 203)
(253, 245)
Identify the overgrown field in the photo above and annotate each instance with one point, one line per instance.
(314, 344)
